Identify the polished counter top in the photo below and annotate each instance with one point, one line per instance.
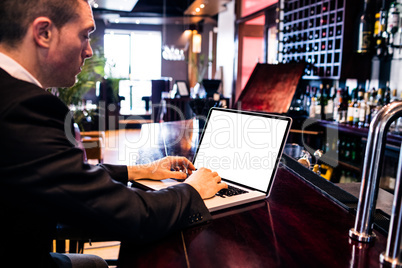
(303, 223)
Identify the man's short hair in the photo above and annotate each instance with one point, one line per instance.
(17, 15)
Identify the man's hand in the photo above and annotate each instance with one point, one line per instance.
(206, 182)
(167, 167)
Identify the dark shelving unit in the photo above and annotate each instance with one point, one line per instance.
(322, 34)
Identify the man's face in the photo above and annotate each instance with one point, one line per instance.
(70, 49)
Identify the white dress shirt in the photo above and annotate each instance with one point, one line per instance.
(14, 69)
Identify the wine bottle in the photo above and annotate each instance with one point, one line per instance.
(365, 32)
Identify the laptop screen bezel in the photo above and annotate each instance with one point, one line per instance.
(252, 113)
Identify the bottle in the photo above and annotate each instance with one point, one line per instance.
(377, 25)
(393, 21)
(378, 103)
(342, 147)
(312, 108)
(387, 94)
(379, 99)
(324, 101)
(365, 32)
(368, 109)
(351, 105)
(342, 179)
(356, 107)
(307, 99)
(353, 151)
(373, 94)
(329, 108)
(343, 108)
(381, 35)
(337, 105)
(363, 108)
(347, 150)
(394, 96)
(318, 103)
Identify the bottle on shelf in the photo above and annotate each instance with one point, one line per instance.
(377, 25)
(342, 178)
(351, 107)
(343, 108)
(347, 151)
(312, 108)
(372, 97)
(318, 99)
(356, 106)
(387, 94)
(379, 99)
(378, 103)
(393, 21)
(337, 104)
(341, 148)
(381, 35)
(329, 108)
(353, 151)
(324, 101)
(368, 109)
(343, 111)
(394, 96)
(307, 99)
(362, 108)
(365, 33)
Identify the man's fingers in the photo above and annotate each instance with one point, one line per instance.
(217, 178)
(181, 161)
(177, 175)
(222, 185)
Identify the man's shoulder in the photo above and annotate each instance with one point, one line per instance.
(13, 86)
(14, 91)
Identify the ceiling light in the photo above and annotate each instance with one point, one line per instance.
(197, 9)
(202, 6)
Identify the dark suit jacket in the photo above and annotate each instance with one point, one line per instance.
(43, 180)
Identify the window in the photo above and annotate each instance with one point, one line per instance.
(134, 56)
(117, 47)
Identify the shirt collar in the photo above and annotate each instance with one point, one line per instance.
(15, 69)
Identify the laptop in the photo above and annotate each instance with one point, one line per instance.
(244, 148)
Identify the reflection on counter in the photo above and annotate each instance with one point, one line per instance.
(305, 159)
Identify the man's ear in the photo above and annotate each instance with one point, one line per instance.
(42, 31)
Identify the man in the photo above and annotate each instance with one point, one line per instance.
(43, 180)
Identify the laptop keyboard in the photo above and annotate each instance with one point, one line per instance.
(230, 191)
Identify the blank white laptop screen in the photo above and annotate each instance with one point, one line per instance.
(242, 147)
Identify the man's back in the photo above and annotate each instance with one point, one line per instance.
(43, 180)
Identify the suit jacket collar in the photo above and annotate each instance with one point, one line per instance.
(14, 69)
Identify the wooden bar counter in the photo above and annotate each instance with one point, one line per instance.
(303, 223)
